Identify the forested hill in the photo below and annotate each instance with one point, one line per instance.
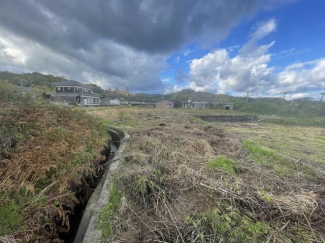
(29, 79)
(37, 80)
(186, 94)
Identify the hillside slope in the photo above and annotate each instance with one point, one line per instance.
(50, 157)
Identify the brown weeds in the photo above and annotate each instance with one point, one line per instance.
(49, 157)
(165, 179)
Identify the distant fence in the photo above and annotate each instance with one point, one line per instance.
(229, 118)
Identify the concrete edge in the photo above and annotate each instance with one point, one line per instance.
(93, 233)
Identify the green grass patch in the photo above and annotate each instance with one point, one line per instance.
(260, 153)
(282, 165)
(106, 222)
(10, 218)
(216, 226)
(304, 122)
(223, 163)
(322, 138)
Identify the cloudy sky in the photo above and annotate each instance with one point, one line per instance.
(221, 46)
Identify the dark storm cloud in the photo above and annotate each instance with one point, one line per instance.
(114, 42)
(147, 25)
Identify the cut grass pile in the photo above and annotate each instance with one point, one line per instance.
(184, 180)
(49, 158)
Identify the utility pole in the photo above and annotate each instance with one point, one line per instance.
(247, 95)
(322, 99)
(284, 95)
(21, 83)
(162, 93)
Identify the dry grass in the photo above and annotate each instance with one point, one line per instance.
(49, 159)
(171, 196)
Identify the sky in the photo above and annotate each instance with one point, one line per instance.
(264, 47)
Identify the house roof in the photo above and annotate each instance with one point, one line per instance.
(71, 83)
(84, 94)
(207, 101)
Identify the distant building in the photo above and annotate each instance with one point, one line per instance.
(228, 106)
(208, 104)
(75, 92)
(124, 102)
(138, 103)
(114, 103)
(165, 104)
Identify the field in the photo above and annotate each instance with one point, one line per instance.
(185, 180)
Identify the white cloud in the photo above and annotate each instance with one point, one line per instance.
(301, 77)
(250, 70)
(296, 96)
(263, 29)
(288, 51)
(232, 48)
(172, 88)
(186, 52)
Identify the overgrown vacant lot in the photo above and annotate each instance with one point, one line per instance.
(185, 180)
(49, 159)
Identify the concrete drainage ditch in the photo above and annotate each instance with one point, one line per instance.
(229, 118)
(87, 231)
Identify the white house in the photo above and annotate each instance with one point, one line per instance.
(75, 92)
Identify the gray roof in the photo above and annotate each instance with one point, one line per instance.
(207, 101)
(76, 94)
(71, 83)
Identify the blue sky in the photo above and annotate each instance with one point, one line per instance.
(264, 46)
(299, 37)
